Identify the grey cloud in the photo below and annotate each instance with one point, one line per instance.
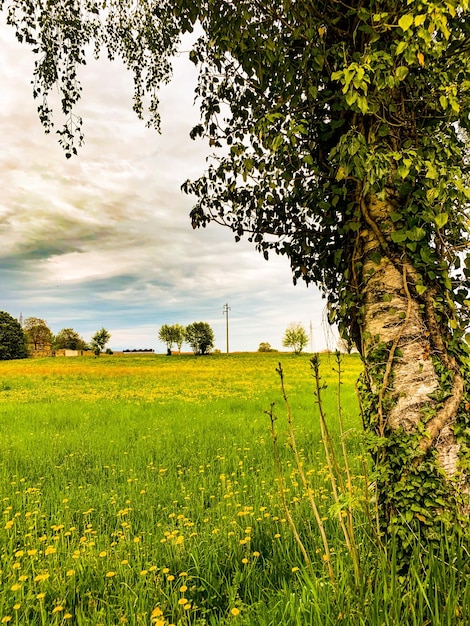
(105, 238)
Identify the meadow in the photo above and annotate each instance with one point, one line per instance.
(144, 490)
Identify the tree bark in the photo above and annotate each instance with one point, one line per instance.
(412, 406)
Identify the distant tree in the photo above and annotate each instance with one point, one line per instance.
(295, 337)
(200, 337)
(99, 340)
(69, 339)
(179, 335)
(167, 336)
(265, 346)
(170, 335)
(13, 342)
(37, 332)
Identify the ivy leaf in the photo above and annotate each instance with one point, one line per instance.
(398, 236)
(416, 233)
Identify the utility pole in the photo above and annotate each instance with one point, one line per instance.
(225, 311)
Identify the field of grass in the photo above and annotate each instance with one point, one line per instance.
(143, 490)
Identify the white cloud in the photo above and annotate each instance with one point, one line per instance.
(105, 238)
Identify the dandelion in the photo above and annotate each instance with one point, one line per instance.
(67, 616)
(70, 572)
(245, 560)
(50, 550)
(124, 562)
(110, 574)
(187, 606)
(295, 569)
(6, 619)
(8, 525)
(256, 554)
(19, 554)
(183, 574)
(182, 601)
(235, 611)
(15, 587)
(165, 570)
(41, 577)
(183, 588)
(277, 536)
(40, 596)
(170, 578)
(57, 609)
(144, 572)
(103, 554)
(17, 606)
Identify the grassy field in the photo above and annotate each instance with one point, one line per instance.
(143, 490)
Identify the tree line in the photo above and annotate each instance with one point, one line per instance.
(18, 340)
(198, 335)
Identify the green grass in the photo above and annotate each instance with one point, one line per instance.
(132, 483)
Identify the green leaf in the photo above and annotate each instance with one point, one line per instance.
(398, 236)
(406, 21)
(420, 19)
(416, 233)
(443, 101)
(401, 46)
(431, 171)
(403, 171)
(351, 97)
(420, 289)
(441, 219)
(362, 104)
(277, 142)
(401, 72)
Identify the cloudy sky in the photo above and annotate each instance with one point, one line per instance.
(104, 239)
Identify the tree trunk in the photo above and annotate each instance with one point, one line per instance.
(414, 396)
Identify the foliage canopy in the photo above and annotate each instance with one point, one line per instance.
(295, 337)
(12, 338)
(200, 337)
(69, 339)
(37, 333)
(99, 340)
